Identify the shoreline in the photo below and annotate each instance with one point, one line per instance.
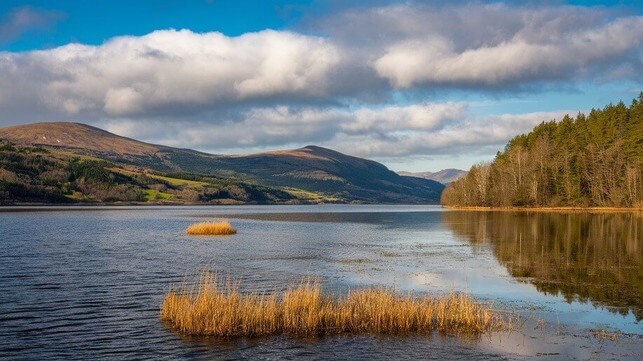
(116, 205)
(545, 209)
(107, 206)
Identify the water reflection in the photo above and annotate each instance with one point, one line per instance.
(582, 256)
(87, 282)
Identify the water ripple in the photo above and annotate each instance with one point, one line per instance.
(87, 284)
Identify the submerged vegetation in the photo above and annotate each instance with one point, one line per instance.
(216, 307)
(211, 228)
(587, 161)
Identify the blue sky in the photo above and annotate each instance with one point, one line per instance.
(93, 22)
(415, 85)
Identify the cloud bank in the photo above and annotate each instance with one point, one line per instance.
(491, 45)
(390, 132)
(169, 69)
(341, 87)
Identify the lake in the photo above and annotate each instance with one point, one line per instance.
(87, 282)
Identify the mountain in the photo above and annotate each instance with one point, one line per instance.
(76, 136)
(445, 176)
(327, 173)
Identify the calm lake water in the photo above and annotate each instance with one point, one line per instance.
(86, 283)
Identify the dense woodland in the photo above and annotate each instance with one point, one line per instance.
(593, 160)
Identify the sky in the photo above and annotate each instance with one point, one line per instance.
(418, 86)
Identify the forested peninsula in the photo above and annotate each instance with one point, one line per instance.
(593, 160)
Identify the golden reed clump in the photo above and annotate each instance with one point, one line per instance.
(217, 308)
(210, 228)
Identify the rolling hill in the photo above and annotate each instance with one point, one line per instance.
(310, 169)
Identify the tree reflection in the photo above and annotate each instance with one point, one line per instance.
(582, 256)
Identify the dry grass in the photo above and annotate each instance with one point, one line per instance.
(216, 307)
(210, 228)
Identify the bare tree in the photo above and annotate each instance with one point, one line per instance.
(480, 174)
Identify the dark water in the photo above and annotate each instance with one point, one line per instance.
(87, 284)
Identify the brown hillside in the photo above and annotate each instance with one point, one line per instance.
(75, 136)
(311, 168)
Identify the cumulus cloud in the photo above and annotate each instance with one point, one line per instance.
(271, 126)
(365, 83)
(169, 68)
(518, 58)
(493, 44)
(400, 131)
(469, 135)
(394, 119)
(374, 52)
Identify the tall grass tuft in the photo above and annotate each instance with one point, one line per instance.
(215, 307)
(211, 228)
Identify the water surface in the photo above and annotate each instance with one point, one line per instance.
(88, 282)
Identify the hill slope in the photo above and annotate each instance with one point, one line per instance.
(444, 176)
(75, 136)
(35, 174)
(587, 161)
(311, 168)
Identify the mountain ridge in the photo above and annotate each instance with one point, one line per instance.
(311, 168)
(74, 135)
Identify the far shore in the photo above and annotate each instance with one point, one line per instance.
(116, 205)
(547, 209)
(27, 205)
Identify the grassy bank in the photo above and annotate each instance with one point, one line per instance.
(216, 307)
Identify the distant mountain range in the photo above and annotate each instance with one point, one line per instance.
(311, 173)
(445, 176)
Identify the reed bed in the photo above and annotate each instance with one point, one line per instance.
(215, 307)
(211, 228)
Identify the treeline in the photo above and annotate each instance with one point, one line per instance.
(34, 174)
(593, 160)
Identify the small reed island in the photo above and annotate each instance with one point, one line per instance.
(211, 229)
(216, 307)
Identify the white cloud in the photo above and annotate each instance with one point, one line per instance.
(123, 101)
(403, 119)
(366, 86)
(469, 135)
(168, 68)
(517, 56)
(413, 130)
(411, 47)
(268, 126)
